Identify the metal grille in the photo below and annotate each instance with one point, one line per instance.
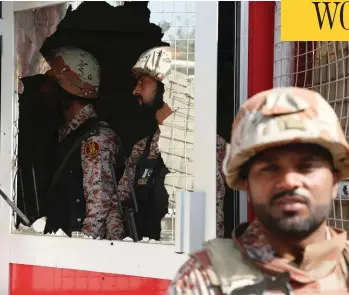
(323, 67)
(177, 20)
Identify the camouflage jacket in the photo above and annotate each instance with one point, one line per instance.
(97, 153)
(220, 186)
(116, 230)
(322, 271)
(114, 225)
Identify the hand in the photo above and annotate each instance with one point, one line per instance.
(163, 113)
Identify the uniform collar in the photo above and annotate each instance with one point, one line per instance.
(84, 114)
(319, 260)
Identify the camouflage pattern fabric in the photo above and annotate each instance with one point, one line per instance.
(281, 116)
(323, 270)
(123, 191)
(155, 62)
(220, 187)
(76, 71)
(99, 191)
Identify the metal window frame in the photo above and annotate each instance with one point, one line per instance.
(161, 260)
(206, 41)
(6, 138)
(243, 94)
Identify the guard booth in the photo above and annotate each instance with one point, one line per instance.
(206, 36)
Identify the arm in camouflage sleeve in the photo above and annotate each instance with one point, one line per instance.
(98, 181)
(192, 279)
(114, 224)
(115, 229)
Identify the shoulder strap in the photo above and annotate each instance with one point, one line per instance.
(92, 130)
(146, 150)
(231, 267)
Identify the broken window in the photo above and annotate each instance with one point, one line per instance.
(177, 22)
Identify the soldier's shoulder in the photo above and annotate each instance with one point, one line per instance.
(105, 136)
(106, 127)
(106, 132)
(194, 276)
(220, 265)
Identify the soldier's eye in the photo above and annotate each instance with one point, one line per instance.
(307, 166)
(270, 168)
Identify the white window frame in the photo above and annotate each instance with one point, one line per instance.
(25, 5)
(137, 259)
(6, 138)
(244, 21)
(205, 161)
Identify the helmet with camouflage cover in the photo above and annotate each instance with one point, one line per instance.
(155, 62)
(76, 70)
(282, 116)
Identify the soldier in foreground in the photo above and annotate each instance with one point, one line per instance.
(289, 153)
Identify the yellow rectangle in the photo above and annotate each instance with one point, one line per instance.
(307, 20)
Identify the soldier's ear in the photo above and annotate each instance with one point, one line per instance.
(336, 180)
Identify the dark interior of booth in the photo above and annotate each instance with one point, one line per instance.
(116, 36)
(228, 93)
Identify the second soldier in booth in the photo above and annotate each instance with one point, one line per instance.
(81, 189)
(141, 187)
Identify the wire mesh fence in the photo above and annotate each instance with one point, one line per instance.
(322, 67)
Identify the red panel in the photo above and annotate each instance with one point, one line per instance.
(36, 280)
(260, 51)
(304, 64)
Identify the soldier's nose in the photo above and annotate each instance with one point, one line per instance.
(290, 180)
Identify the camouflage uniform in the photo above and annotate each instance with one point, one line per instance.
(323, 272)
(155, 62)
(97, 153)
(114, 224)
(273, 118)
(148, 64)
(78, 73)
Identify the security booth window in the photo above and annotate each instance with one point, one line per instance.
(86, 129)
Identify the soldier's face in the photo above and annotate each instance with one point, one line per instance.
(291, 188)
(145, 90)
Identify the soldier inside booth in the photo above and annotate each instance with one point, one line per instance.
(71, 160)
(85, 193)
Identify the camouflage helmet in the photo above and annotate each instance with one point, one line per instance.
(282, 116)
(155, 62)
(76, 70)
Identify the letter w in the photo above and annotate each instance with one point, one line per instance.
(327, 12)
